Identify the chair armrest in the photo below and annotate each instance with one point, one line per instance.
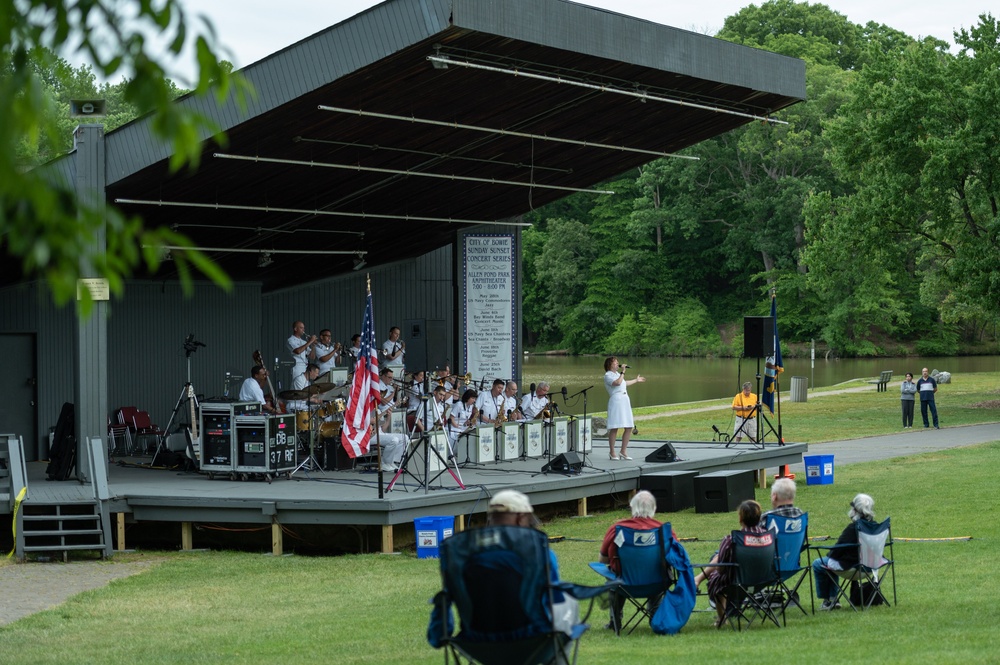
(583, 592)
(603, 570)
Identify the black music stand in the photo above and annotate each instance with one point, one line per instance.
(424, 441)
(586, 430)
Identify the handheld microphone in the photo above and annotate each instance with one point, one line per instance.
(624, 367)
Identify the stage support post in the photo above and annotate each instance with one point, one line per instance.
(581, 507)
(277, 538)
(120, 526)
(386, 539)
(459, 523)
(187, 536)
(762, 478)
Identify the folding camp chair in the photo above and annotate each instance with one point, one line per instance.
(869, 573)
(791, 534)
(645, 575)
(510, 607)
(756, 582)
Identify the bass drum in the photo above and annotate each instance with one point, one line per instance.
(302, 420)
(329, 430)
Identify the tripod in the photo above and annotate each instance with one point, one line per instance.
(187, 395)
(425, 480)
(310, 463)
(582, 449)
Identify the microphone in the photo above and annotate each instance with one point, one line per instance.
(563, 391)
(624, 367)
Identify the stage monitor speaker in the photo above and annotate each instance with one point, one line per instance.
(663, 454)
(564, 463)
(722, 491)
(758, 336)
(674, 490)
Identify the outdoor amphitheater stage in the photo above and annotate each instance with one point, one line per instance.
(350, 498)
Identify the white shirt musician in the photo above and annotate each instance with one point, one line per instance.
(393, 445)
(300, 347)
(302, 382)
(510, 402)
(252, 389)
(387, 390)
(415, 390)
(489, 404)
(393, 350)
(534, 403)
(458, 418)
(434, 415)
(327, 353)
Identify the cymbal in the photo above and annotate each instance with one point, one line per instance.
(318, 388)
(293, 394)
(334, 392)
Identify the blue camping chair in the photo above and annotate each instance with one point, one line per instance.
(867, 576)
(756, 583)
(645, 578)
(502, 581)
(792, 540)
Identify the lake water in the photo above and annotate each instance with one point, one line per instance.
(674, 380)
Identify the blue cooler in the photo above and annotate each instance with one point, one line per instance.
(430, 531)
(819, 469)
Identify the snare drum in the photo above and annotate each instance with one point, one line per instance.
(302, 420)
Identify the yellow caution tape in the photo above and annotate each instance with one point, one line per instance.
(17, 505)
(932, 540)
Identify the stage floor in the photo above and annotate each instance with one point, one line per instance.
(140, 494)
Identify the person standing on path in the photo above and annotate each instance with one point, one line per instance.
(907, 390)
(927, 386)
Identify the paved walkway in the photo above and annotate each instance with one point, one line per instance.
(32, 587)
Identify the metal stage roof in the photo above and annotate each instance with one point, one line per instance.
(499, 82)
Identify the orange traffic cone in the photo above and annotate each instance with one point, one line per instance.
(783, 472)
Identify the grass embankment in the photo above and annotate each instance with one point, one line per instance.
(831, 415)
(223, 607)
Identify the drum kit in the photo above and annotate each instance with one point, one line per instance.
(321, 423)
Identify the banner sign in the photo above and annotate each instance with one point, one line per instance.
(488, 306)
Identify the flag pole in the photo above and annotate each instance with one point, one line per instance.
(378, 427)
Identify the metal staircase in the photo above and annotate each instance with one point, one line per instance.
(76, 519)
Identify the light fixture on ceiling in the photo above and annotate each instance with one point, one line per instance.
(165, 255)
(438, 64)
(359, 262)
(264, 260)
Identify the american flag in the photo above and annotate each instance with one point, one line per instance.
(364, 391)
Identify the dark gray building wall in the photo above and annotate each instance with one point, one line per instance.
(418, 289)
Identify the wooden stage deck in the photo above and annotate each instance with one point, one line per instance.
(350, 498)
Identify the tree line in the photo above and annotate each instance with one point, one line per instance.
(873, 214)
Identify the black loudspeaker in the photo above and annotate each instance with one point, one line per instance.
(758, 336)
(722, 491)
(663, 454)
(564, 463)
(674, 490)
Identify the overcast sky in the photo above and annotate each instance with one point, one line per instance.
(253, 29)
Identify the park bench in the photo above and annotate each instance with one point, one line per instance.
(882, 381)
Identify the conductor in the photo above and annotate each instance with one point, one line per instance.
(745, 406)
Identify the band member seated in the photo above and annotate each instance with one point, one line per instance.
(450, 383)
(387, 390)
(462, 417)
(354, 352)
(302, 382)
(512, 410)
(489, 404)
(393, 350)
(252, 389)
(327, 352)
(301, 348)
(415, 389)
(393, 445)
(534, 403)
(430, 415)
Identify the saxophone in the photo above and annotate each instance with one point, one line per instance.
(501, 413)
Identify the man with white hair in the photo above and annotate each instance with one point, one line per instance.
(783, 499)
(643, 506)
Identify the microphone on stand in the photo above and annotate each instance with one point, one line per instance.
(564, 393)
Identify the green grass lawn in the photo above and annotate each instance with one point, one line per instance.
(223, 607)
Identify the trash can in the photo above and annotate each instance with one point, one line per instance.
(819, 469)
(799, 386)
(430, 532)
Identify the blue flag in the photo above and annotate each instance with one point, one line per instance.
(773, 366)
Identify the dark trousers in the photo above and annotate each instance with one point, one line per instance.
(907, 412)
(924, 405)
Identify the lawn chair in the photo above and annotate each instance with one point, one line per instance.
(869, 573)
(511, 609)
(756, 583)
(645, 575)
(791, 534)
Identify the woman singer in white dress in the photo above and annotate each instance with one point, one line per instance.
(619, 406)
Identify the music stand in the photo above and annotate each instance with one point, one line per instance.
(424, 441)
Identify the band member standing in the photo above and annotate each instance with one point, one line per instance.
(460, 417)
(301, 348)
(619, 405)
(744, 404)
(393, 350)
(489, 404)
(252, 389)
(354, 352)
(534, 403)
(327, 352)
